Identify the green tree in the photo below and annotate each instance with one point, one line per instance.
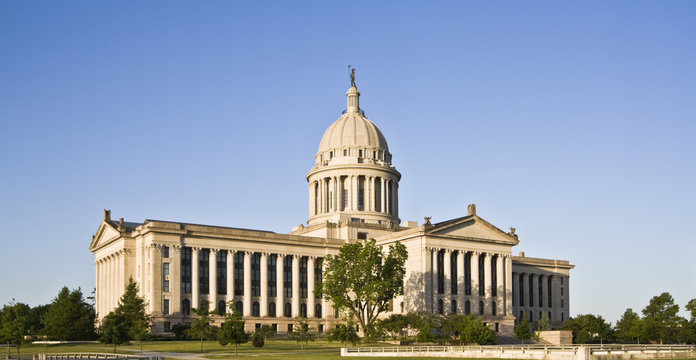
(588, 329)
(114, 330)
(232, 330)
(361, 280)
(661, 319)
(474, 331)
(394, 325)
(200, 326)
(544, 324)
(266, 331)
(523, 330)
(130, 316)
(691, 308)
(301, 332)
(258, 340)
(14, 325)
(344, 333)
(69, 317)
(425, 329)
(629, 328)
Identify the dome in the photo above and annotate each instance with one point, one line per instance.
(353, 129)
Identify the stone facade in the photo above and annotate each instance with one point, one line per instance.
(463, 265)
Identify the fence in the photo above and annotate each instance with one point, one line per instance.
(71, 356)
(532, 352)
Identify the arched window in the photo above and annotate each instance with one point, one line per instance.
(255, 308)
(480, 307)
(549, 316)
(454, 307)
(540, 313)
(239, 307)
(467, 307)
(521, 315)
(221, 307)
(186, 307)
(303, 310)
(271, 309)
(531, 316)
(317, 310)
(287, 310)
(494, 311)
(440, 306)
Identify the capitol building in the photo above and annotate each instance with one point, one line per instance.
(463, 265)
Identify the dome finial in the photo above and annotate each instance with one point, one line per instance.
(352, 94)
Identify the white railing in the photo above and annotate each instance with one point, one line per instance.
(70, 356)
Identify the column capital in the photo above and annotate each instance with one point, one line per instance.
(447, 251)
(176, 248)
(477, 253)
(265, 254)
(195, 248)
(213, 251)
(280, 256)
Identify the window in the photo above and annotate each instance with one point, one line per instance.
(239, 273)
(256, 274)
(271, 270)
(361, 193)
(548, 285)
(345, 152)
(540, 291)
(453, 271)
(165, 285)
(549, 315)
(360, 153)
(378, 194)
(467, 307)
(317, 310)
(494, 277)
(165, 252)
(480, 307)
(289, 328)
(287, 276)
(401, 304)
(186, 307)
(221, 260)
(497, 327)
(255, 308)
(540, 313)
(303, 310)
(303, 278)
(185, 270)
(221, 307)
(167, 326)
(287, 310)
(440, 306)
(531, 316)
(257, 326)
(521, 289)
(467, 274)
(317, 274)
(165, 307)
(165, 268)
(321, 328)
(362, 236)
(494, 311)
(275, 328)
(204, 271)
(482, 278)
(440, 272)
(453, 309)
(271, 309)
(239, 307)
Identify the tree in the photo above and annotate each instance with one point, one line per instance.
(394, 325)
(588, 329)
(266, 331)
(301, 332)
(258, 340)
(543, 324)
(661, 319)
(691, 308)
(69, 317)
(200, 326)
(14, 320)
(130, 316)
(344, 333)
(474, 331)
(629, 328)
(361, 280)
(425, 329)
(232, 330)
(523, 331)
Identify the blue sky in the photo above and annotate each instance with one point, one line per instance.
(571, 121)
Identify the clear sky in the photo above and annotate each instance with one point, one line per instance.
(572, 121)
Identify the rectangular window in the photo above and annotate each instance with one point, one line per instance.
(531, 290)
(204, 271)
(287, 276)
(453, 271)
(378, 194)
(185, 270)
(271, 262)
(303, 277)
(362, 236)
(361, 193)
(221, 259)
(317, 273)
(165, 307)
(467, 274)
(550, 291)
(239, 273)
(165, 285)
(521, 289)
(165, 252)
(255, 274)
(167, 326)
(540, 291)
(165, 268)
(482, 278)
(440, 258)
(494, 276)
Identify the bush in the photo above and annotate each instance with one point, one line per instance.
(258, 339)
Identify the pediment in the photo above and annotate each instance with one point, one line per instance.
(104, 235)
(471, 227)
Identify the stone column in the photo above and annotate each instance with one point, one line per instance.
(387, 198)
(383, 195)
(310, 287)
(230, 279)
(247, 284)
(516, 290)
(156, 275)
(524, 299)
(295, 285)
(487, 279)
(279, 285)
(500, 285)
(566, 297)
(556, 297)
(447, 265)
(436, 283)
(426, 270)
(122, 271)
(194, 277)
(372, 194)
(97, 292)
(354, 193)
(396, 199)
(474, 282)
(332, 195)
(461, 285)
(508, 285)
(175, 278)
(263, 303)
(212, 278)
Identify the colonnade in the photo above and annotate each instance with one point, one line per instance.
(379, 194)
(110, 280)
(469, 282)
(537, 294)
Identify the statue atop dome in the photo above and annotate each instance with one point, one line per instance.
(352, 76)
